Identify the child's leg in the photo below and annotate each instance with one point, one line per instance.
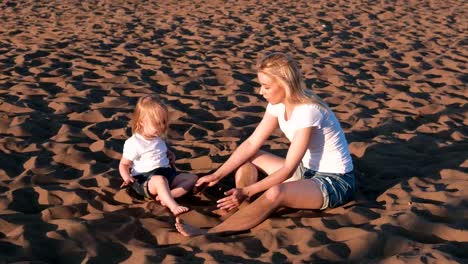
(182, 184)
(158, 186)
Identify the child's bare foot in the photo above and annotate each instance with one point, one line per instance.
(179, 209)
(188, 230)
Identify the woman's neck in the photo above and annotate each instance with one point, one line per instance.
(288, 110)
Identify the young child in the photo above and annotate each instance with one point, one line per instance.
(146, 162)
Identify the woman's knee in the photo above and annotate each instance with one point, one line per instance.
(246, 168)
(275, 194)
(246, 175)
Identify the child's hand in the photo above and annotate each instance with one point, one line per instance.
(127, 181)
(208, 180)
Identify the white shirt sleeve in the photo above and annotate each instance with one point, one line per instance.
(130, 150)
(309, 116)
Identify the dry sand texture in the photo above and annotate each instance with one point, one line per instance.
(71, 71)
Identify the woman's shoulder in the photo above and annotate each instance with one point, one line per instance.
(311, 108)
(310, 111)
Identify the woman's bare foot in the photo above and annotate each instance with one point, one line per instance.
(179, 209)
(188, 230)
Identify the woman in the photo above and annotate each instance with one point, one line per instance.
(317, 172)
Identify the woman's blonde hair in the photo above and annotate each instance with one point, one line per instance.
(284, 69)
(150, 106)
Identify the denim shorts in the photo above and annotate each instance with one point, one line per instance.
(337, 188)
(139, 188)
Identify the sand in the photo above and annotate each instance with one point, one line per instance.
(71, 71)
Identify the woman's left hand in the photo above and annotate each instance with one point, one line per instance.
(233, 199)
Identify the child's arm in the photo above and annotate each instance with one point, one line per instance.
(172, 158)
(124, 169)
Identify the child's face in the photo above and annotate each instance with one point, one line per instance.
(148, 130)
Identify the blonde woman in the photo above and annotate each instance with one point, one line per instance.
(145, 166)
(317, 172)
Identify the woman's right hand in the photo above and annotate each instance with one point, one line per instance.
(234, 197)
(206, 181)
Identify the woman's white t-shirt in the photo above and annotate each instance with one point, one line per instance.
(328, 149)
(146, 155)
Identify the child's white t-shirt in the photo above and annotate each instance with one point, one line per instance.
(146, 155)
(328, 149)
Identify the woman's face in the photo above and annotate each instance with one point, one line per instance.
(270, 89)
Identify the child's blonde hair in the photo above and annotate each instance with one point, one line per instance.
(286, 71)
(150, 106)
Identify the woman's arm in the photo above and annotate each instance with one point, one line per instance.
(245, 151)
(295, 154)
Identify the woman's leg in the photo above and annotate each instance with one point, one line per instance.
(267, 162)
(302, 194)
(158, 185)
(247, 174)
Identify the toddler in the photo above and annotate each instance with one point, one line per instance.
(147, 165)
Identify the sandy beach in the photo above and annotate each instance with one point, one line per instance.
(395, 74)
